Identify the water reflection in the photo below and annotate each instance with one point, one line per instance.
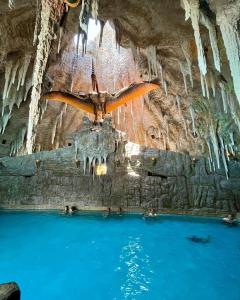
(135, 266)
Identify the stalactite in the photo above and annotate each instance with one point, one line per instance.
(102, 24)
(161, 73)
(11, 4)
(84, 17)
(187, 55)
(213, 39)
(223, 157)
(226, 151)
(4, 120)
(227, 19)
(233, 111)
(84, 164)
(206, 87)
(18, 142)
(213, 137)
(210, 165)
(203, 85)
(11, 100)
(187, 8)
(184, 72)
(20, 97)
(185, 127)
(231, 138)
(178, 104)
(8, 71)
(60, 39)
(14, 93)
(23, 71)
(165, 87)
(14, 73)
(231, 149)
(152, 61)
(118, 32)
(28, 86)
(37, 21)
(45, 37)
(213, 84)
(192, 10)
(209, 151)
(90, 160)
(224, 96)
(95, 4)
(62, 25)
(43, 106)
(192, 114)
(58, 122)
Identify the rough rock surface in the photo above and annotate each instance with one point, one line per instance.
(9, 291)
(189, 115)
(160, 24)
(137, 178)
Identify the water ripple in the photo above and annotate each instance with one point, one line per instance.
(135, 264)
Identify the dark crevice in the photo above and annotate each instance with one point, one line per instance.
(156, 175)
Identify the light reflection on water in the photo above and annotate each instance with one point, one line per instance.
(136, 266)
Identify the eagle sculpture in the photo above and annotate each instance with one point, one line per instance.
(100, 103)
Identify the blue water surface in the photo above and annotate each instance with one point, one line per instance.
(54, 256)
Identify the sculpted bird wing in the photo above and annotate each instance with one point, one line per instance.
(82, 103)
(132, 92)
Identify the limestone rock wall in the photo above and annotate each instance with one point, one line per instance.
(148, 178)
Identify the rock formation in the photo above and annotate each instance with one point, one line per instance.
(191, 46)
(9, 291)
(134, 177)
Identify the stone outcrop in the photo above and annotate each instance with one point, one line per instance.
(9, 291)
(137, 177)
(180, 133)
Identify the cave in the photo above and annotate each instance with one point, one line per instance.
(120, 107)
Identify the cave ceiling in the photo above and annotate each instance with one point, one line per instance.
(191, 46)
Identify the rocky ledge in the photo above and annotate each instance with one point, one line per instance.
(100, 169)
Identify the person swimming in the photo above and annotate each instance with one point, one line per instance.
(120, 211)
(66, 209)
(198, 239)
(230, 219)
(72, 210)
(152, 212)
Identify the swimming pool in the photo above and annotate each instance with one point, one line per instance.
(53, 256)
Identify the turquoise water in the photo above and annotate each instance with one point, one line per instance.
(53, 256)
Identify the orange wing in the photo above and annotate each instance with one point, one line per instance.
(83, 104)
(72, 4)
(132, 92)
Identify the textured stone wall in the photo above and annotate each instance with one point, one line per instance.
(161, 179)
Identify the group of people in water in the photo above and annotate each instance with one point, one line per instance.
(231, 219)
(70, 209)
